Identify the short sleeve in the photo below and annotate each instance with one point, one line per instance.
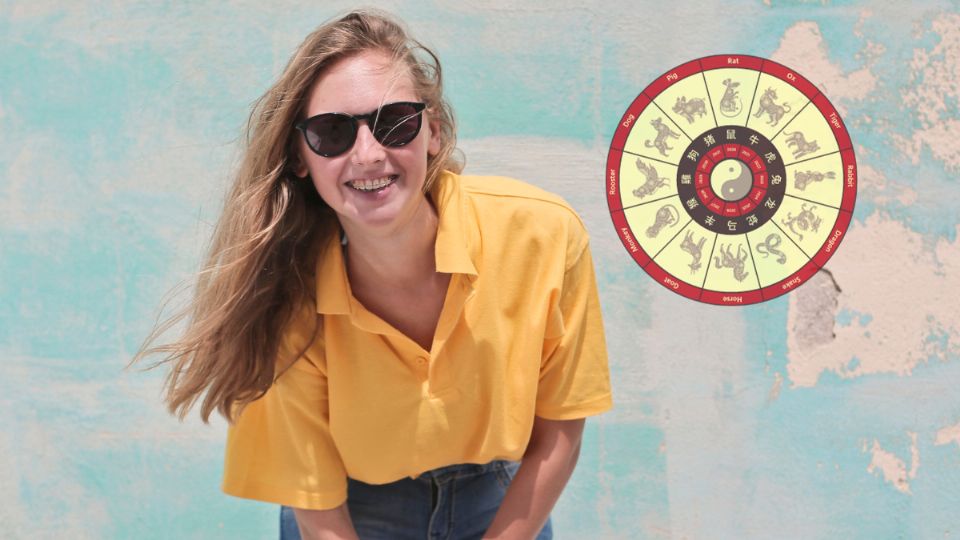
(574, 375)
(279, 449)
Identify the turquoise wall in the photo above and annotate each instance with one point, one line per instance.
(832, 412)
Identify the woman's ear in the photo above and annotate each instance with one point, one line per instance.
(297, 165)
(434, 144)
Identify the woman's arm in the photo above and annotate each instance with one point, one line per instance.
(333, 524)
(546, 467)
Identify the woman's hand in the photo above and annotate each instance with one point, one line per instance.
(546, 467)
(333, 524)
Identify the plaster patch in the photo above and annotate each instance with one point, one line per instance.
(947, 435)
(892, 468)
(803, 48)
(934, 95)
(884, 271)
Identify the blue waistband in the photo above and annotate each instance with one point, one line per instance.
(447, 472)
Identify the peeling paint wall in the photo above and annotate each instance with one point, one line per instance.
(828, 413)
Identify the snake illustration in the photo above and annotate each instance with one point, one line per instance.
(769, 247)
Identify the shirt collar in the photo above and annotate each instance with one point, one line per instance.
(456, 248)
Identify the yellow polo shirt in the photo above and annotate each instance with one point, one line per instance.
(520, 334)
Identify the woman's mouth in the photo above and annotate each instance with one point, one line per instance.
(372, 184)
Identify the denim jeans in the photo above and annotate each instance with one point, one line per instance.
(456, 502)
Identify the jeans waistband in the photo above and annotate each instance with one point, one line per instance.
(443, 474)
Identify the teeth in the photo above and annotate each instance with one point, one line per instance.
(372, 184)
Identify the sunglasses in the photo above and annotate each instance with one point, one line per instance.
(392, 125)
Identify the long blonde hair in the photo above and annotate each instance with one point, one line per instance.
(259, 269)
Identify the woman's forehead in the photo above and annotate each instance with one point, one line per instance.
(360, 83)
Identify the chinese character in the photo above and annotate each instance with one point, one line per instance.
(776, 179)
(709, 140)
(752, 220)
(693, 155)
(770, 156)
(692, 203)
(731, 225)
(754, 139)
(731, 134)
(686, 179)
(709, 221)
(770, 203)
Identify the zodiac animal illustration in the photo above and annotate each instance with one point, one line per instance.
(806, 220)
(805, 178)
(653, 180)
(666, 215)
(769, 247)
(730, 103)
(687, 109)
(694, 249)
(663, 131)
(737, 264)
(800, 144)
(769, 105)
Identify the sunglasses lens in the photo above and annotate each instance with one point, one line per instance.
(331, 134)
(397, 124)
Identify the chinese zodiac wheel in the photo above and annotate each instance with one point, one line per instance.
(731, 180)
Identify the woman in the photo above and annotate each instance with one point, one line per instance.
(402, 351)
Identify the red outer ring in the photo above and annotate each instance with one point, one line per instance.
(849, 180)
(790, 282)
(666, 80)
(613, 179)
(629, 242)
(640, 103)
(731, 298)
(833, 119)
(626, 122)
(669, 281)
(790, 77)
(742, 61)
(837, 234)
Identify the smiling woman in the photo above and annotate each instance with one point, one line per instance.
(402, 351)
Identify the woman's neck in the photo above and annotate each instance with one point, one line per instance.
(404, 258)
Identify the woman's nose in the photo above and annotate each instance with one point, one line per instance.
(367, 149)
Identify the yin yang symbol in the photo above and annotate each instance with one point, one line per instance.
(731, 179)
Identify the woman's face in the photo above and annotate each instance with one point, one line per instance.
(350, 182)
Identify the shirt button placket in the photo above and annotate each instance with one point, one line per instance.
(423, 368)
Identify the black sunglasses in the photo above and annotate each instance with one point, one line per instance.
(394, 124)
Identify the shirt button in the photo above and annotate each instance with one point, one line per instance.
(421, 361)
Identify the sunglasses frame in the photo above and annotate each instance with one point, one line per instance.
(370, 118)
